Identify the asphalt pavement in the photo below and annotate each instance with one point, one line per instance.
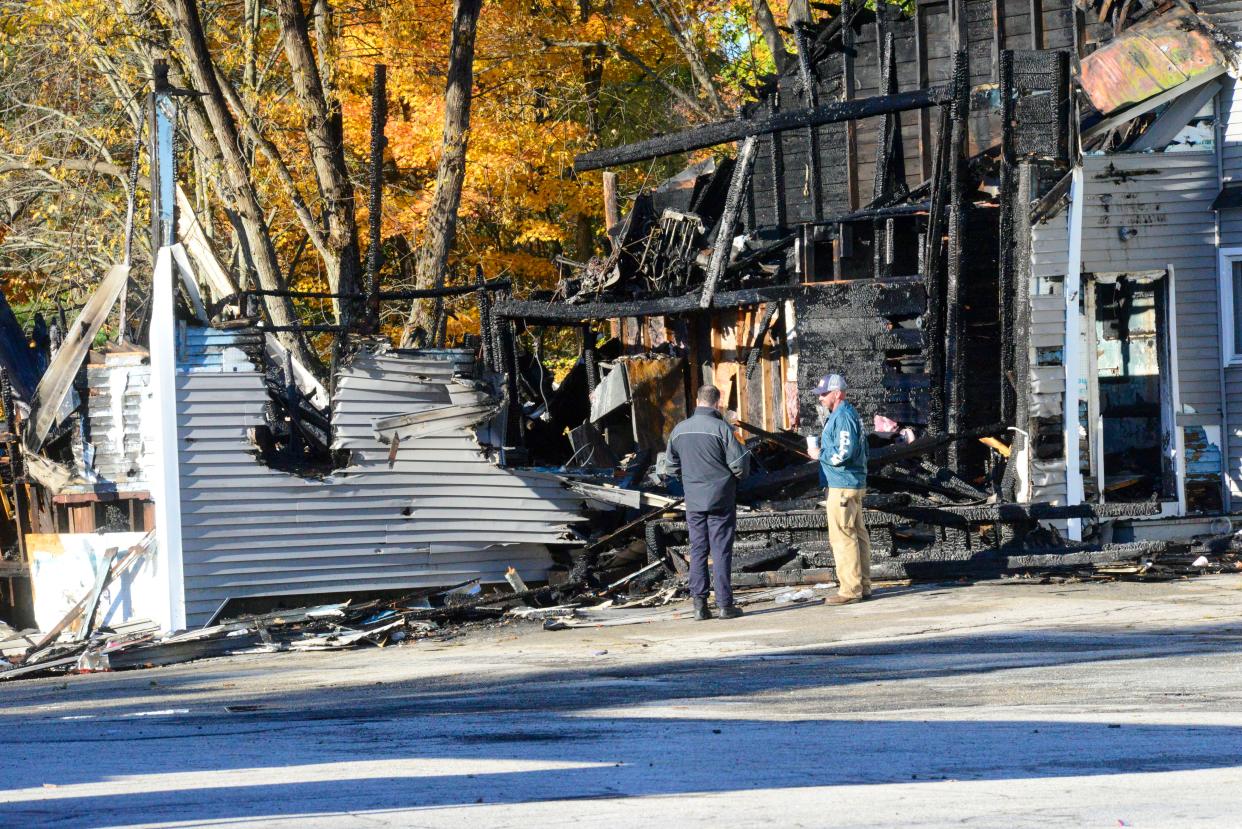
(986, 705)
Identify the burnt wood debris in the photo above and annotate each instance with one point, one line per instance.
(877, 210)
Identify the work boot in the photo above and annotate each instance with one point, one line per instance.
(730, 611)
(701, 612)
(843, 599)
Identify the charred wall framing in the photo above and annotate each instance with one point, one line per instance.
(850, 67)
(918, 280)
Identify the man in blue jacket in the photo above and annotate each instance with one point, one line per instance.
(843, 470)
(709, 460)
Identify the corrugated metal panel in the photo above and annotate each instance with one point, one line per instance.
(441, 512)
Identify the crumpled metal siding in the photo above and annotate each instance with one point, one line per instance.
(440, 513)
(1158, 54)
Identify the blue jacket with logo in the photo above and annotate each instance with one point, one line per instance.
(843, 450)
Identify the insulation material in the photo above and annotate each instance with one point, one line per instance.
(119, 418)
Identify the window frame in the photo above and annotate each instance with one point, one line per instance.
(1231, 357)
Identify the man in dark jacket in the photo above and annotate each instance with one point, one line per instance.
(703, 452)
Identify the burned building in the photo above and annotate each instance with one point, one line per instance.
(1012, 226)
(903, 207)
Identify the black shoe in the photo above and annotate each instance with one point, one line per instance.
(730, 612)
(701, 612)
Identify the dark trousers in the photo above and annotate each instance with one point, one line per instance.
(712, 532)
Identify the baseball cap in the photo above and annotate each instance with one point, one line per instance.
(831, 382)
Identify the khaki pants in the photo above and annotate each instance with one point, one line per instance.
(851, 548)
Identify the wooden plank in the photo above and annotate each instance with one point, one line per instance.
(82, 518)
(998, 37)
(72, 498)
(727, 225)
(924, 122)
(847, 94)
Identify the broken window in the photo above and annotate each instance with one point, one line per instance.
(1130, 402)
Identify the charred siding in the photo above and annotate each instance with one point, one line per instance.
(924, 58)
(1166, 201)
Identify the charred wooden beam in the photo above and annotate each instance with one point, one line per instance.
(1043, 511)
(1005, 254)
(877, 213)
(934, 274)
(927, 443)
(920, 62)
(484, 303)
(589, 358)
(998, 37)
(375, 245)
(953, 325)
(1021, 332)
(756, 348)
(728, 220)
(776, 161)
(559, 312)
(725, 131)
(890, 173)
(515, 430)
(424, 293)
(848, 54)
(810, 94)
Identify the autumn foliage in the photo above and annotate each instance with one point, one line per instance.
(552, 78)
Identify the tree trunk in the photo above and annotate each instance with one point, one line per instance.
(676, 91)
(327, 148)
(253, 10)
(690, 49)
(771, 34)
(198, 64)
(284, 175)
(442, 217)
